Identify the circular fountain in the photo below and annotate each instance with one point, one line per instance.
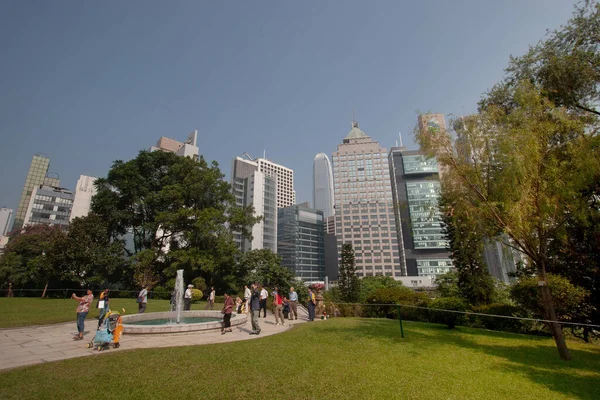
(177, 320)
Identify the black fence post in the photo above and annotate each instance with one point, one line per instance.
(400, 319)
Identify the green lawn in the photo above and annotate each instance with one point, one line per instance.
(25, 311)
(336, 359)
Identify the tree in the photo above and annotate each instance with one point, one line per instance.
(264, 266)
(348, 281)
(465, 243)
(89, 254)
(565, 65)
(519, 173)
(180, 214)
(32, 256)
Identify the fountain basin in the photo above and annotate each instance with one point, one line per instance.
(151, 322)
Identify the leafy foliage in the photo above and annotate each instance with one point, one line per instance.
(448, 318)
(264, 266)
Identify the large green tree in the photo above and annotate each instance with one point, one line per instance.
(264, 266)
(33, 256)
(179, 213)
(348, 283)
(519, 172)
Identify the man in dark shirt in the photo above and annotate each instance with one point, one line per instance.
(255, 309)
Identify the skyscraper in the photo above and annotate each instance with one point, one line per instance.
(416, 187)
(49, 205)
(364, 208)
(286, 196)
(5, 220)
(301, 241)
(36, 176)
(188, 148)
(84, 192)
(323, 185)
(252, 187)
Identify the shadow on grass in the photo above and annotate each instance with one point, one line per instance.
(531, 356)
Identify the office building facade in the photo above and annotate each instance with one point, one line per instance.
(6, 215)
(364, 207)
(323, 198)
(286, 196)
(252, 187)
(49, 205)
(416, 189)
(84, 192)
(188, 148)
(36, 176)
(301, 241)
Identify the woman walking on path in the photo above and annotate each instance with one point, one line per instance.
(227, 309)
(278, 306)
(82, 311)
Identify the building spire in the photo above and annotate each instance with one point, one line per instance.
(354, 123)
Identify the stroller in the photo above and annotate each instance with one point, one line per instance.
(109, 332)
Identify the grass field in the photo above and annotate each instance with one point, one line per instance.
(25, 311)
(336, 359)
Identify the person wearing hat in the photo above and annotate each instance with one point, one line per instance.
(187, 298)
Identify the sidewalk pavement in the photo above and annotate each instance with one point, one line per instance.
(44, 343)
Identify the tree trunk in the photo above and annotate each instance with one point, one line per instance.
(555, 328)
(45, 288)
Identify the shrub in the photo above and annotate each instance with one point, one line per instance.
(196, 295)
(398, 295)
(503, 324)
(450, 319)
(199, 283)
(160, 292)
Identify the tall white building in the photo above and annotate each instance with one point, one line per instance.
(364, 208)
(323, 185)
(286, 196)
(252, 187)
(49, 205)
(188, 148)
(6, 215)
(84, 192)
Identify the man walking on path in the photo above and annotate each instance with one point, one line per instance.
(311, 305)
(293, 304)
(255, 309)
(263, 301)
(82, 311)
(142, 300)
(211, 299)
(187, 298)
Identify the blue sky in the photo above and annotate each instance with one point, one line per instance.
(90, 82)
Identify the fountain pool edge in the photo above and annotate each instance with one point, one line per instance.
(128, 328)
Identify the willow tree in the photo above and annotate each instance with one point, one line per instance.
(519, 172)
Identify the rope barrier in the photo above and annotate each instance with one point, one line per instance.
(476, 313)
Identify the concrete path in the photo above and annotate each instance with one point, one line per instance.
(44, 343)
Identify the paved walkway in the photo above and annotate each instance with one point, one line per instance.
(44, 343)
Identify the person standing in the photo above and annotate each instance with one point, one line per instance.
(227, 309)
(104, 308)
(82, 311)
(311, 305)
(293, 304)
(255, 309)
(211, 299)
(278, 307)
(247, 295)
(187, 298)
(142, 299)
(263, 301)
